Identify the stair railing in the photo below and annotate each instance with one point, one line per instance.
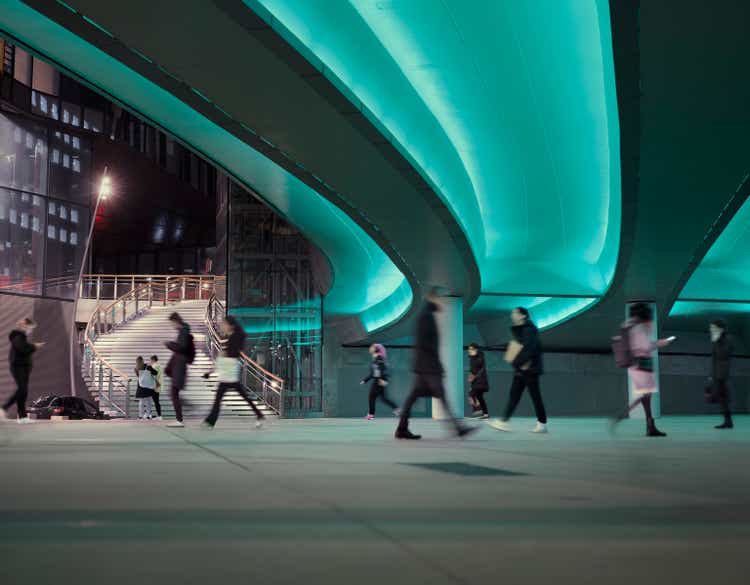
(112, 286)
(110, 385)
(255, 378)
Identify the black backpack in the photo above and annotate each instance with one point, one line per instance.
(190, 355)
(621, 347)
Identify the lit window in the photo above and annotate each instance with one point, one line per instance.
(25, 220)
(85, 124)
(55, 112)
(66, 161)
(63, 212)
(75, 120)
(63, 235)
(36, 224)
(29, 140)
(43, 103)
(51, 232)
(55, 156)
(74, 215)
(66, 115)
(2, 213)
(24, 197)
(74, 238)
(58, 135)
(33, 98)
(13, 216)
(37, 201)
(76, 143)
(66, 138)
(17, 135)
(52, 208)
(76, 165)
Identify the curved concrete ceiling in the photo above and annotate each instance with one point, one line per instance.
(508, 109)
(366, 282)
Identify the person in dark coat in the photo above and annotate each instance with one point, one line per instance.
(177, 365)
(19, 357)
(721, 354)
(527, 368)
(228, 366)
(428, 380)
(478, 381)
(379, 376)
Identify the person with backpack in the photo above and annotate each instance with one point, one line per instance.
(527, 368)
(183, 353)
(228, 366)
(379, 376)
(478, 381)
(721, 355)
(146, 376)
(635, 341)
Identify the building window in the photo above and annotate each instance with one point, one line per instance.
(74, 238)
(29, 140)
(52, 208)
(63, 212)
(51, 232)
(55, 111)
(74, 215)
(55, 156)
(37, 201)
(13, 216)
(66, 161)
(76, 164)
(36, 224)
(76, 143)
(63, 235)
(25, 220)
(43, 103)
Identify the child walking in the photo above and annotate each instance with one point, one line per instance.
(379, 376)
(146, 384)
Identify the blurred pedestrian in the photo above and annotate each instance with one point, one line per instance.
(721, 355)
(146, 376)
(20, 367)
(380, 377)
(478, 385)
(183, 353)
(154, 362)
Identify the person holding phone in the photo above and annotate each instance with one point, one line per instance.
(20, 367)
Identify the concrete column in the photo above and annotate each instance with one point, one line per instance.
(655, 399)
(450, 322)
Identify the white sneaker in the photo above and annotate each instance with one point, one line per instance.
(24, 421)
(500, 425)
(259, 424)
(539, 428)
(158, 418)
(176, 425)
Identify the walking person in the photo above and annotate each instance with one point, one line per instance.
(721, 355)
(639, 327)
(379, 376)
(154, 362)
(428, 371)
(478, 382)
(20, 367)
(527, 368)
(228, 366)
(146, 376)
(183, 353)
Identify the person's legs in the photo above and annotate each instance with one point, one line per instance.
(516, 390)
(482, 402)
(157, 404)
(22, 392)
(175, 392)
(723, 391)
(246, 395)
(418, 391)
(374, 389)
(213, 416)
(384, 397)
(651, 429)
(536, 397)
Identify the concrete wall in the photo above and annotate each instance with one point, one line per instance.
(573, 385)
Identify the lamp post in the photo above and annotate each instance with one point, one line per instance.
(105, 190)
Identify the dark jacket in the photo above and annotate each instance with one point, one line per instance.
(234, 345)
(142, 392)
(20, 352)
(177, 366)
(378, 370)
(721, 353)
(476, 367)
(528, 336)
(426, 358)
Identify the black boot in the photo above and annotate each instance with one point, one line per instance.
(406, 434)
(651, 430)
(727, 424)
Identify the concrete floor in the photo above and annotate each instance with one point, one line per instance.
(340, 501)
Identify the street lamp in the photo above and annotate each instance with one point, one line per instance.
(105, 191)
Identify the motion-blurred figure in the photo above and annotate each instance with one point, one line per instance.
(20, 367)
(428, 380)
(379, 376)
(638, 329)
(721, 355)
(183, 353)
(527, 368)
(146, 376)
(478, 385)
(154, 362)
(229, 367)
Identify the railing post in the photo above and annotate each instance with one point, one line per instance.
(127, 399)
(98, 287)
(132, 282)
(80, 289)
(166, 291)
(182, 290)
(115, 297)
(150, 295)
(200, 288)
(109, 389)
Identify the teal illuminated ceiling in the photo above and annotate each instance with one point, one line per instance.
(721, 282)
(544, 311)
(508, 109)
(366, 282)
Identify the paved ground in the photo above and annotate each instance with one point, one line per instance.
(339, 501)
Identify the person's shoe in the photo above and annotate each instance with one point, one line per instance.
(259, 423)
(396, 412)
(540, 428)
(483, 416)
(176, 425)
(406, 434)
(654, 432)
(500, 425)
(477, 414)
(3, 414)
(158, 418)
(466, 431)
(206, 426)
(370, 417)
(24, 421)
(727, 424)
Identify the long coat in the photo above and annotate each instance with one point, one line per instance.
(177, 366)
(721, 354)
(426, 357)
(528, 336)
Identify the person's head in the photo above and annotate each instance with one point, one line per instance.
(717, 329)
(176, 320)
(433, 296)
(377, 350)
(154, 359)
(473, 349)
(139, 362)
(519, 315)
(26, 325)
(642, 312)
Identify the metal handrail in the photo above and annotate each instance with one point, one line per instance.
(254, 377)
(106, 381)
(108, 286)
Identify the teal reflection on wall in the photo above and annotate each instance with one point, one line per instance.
(708, 309)
(508, 109)
(364, 276)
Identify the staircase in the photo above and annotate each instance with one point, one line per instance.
(145, 336)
